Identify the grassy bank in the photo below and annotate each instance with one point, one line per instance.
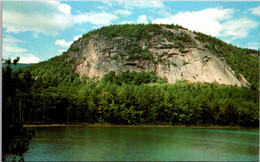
(130, 126)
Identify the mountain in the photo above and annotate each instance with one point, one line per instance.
(171, 51)
(118, 74)
(17, 66)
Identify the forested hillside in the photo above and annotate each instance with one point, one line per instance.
(244, 62)
(151, 42)
(51, 91)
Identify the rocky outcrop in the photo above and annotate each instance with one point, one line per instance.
(192, 62)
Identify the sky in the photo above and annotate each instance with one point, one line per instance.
(38, 30)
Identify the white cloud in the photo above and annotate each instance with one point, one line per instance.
(237, 28)
(47, 17)
(108, 3)
(95, 18)
(11, 49)
(62, 43)
(141, 4)
(212, 21)
(65, 8)
(27, 58)
(10, 46)
(206, 21)
(77, 37)
(123, 12)
(135, 4)
(39, 17)
(254, 11)
(142, 19)
(20, 22)
(126, 22)
(61, 50)
(35, 35)
(102, 7)
(10, 39)
(253, 45)
(82, 30)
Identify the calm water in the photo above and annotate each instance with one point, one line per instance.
(132, 144)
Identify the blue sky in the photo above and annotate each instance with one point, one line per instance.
(37, 31)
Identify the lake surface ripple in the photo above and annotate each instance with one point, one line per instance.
(142, 144)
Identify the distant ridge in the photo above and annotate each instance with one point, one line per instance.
(18, 66)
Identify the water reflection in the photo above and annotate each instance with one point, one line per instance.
(132, 144)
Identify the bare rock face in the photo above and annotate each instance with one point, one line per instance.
(192, 62)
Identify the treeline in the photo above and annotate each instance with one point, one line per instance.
(57, 70)
(133, 78)
(16, 90)
(130, 98)
(131, 31)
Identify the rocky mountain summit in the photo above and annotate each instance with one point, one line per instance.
(169, 50)
(118, 75)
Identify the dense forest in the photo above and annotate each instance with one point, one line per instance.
(15, 138)
(128, 98)
(50, 92)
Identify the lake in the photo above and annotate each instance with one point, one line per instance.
(142, 144)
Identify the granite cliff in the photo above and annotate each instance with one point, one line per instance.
(171, 51)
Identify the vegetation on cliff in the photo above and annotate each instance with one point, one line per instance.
(50, 91)
(139, 36)
(240, 60)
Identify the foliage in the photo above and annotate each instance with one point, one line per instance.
(58, 69)
(73, 49)
(137, 98)
(16, 93)
(183, 51)
(240, 60)
(132, 78)
(137, 53)
(181, 37)
(115, 57)
(136, 31)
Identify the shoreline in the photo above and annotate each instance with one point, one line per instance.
(139, 126)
